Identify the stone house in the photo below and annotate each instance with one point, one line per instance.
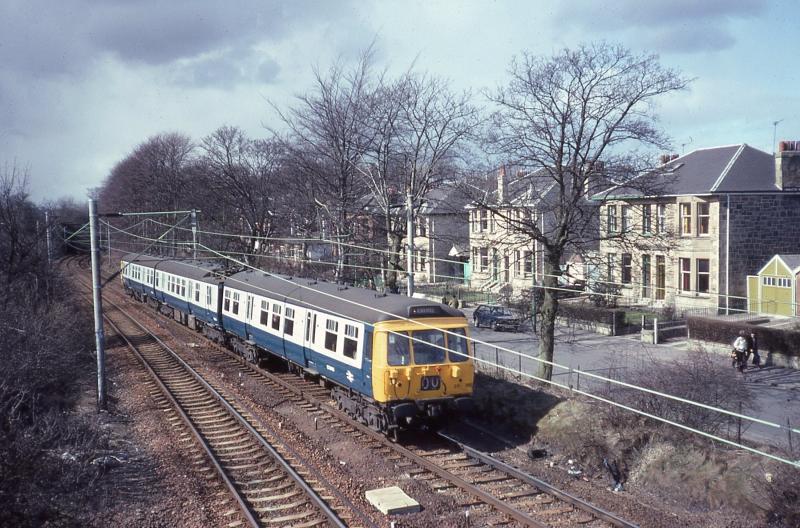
(722, 211)
(442, 236)
(503, 258)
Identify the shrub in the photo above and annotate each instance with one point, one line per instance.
(592, 314)
(775, 340)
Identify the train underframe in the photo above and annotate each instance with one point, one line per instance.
(387, 418)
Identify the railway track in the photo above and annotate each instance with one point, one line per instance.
(494, 492)
(269, 483)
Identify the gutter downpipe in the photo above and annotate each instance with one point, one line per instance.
(727, 252)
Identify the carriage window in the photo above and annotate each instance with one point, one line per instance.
(235, 303)
(397, 353)
(197, 293)
(350, 341)
(183, 287)
(457, 346)
(276, 316)
(427, 345)
(226, 305)
(158, 276)
(288, 325)
(264, 319)
(249, 309)
(208, 295)
(331, 334)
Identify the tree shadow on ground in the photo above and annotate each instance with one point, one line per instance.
(510, 408)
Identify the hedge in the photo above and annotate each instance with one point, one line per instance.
(586, 312)
(776, 340)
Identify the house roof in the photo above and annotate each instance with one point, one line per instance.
(449, 199)
(523, 188)
(792, 261)
(726, 169)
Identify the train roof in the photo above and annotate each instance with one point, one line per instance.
(191, 269)
(364, 304)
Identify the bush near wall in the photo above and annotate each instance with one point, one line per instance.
(593, 314)
(775, 340)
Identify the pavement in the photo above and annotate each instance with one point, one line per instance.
(775, 390)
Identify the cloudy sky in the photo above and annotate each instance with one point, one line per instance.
(82, 82)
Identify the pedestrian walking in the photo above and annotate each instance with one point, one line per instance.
(740, 351)
(754, 350)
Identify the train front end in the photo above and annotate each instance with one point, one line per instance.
(422, 369)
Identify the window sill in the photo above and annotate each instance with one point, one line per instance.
(690, 295)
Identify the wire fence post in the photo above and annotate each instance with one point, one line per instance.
(497, 360)
(578, 381)
(789, 434)
(519, 356)
(739, 425)
(655, 331)
(98, 306)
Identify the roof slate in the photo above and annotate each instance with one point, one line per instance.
(791, 260)
(726, 169)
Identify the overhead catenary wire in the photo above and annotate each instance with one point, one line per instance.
(520, 354)
(433, 259)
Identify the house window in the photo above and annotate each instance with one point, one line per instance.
(610, 263)
(626, 268)
(475, 258)
(626, 218)
(517, 262)
(421, 229)
(484, 259)
(661, 218)
(484, 220)
(288, 322)
(331, 334)
(686, 219)
(422, 256)
(276, 316)
(226, 304)
(646, 219)
(528, 260)
(350, 341)
(685, 270)
(703, 275)
(611, 220)
(264, 318)
(645, 275)
(661, 277)
(703, 217)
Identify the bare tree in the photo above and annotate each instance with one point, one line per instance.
(417, 127)
(152, 177)
(575, 122)
(326, 142)
(244, 176)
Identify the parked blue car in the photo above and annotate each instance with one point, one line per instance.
(496, 318)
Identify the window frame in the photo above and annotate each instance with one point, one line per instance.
(685, 274)
(647, 219)
(685, 211)
(626, 268)
(705, 275)
(703, 220)
(611, 218)
(331, 335)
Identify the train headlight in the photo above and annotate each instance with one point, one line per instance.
(455, 371)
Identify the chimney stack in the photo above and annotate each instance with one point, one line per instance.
(502, 183)
(787, 166)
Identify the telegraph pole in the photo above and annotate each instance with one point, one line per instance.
(47, 237)
(108, 241)
(98, 307)
(194, 234)
(410, 240)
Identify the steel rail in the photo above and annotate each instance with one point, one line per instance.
(313, 496)
(540, 484)
(251, 520)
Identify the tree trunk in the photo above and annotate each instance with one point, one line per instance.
(395, 243)
(552, 261)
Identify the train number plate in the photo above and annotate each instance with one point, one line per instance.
(430, 383)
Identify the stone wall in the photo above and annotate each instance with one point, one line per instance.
(761, 226)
